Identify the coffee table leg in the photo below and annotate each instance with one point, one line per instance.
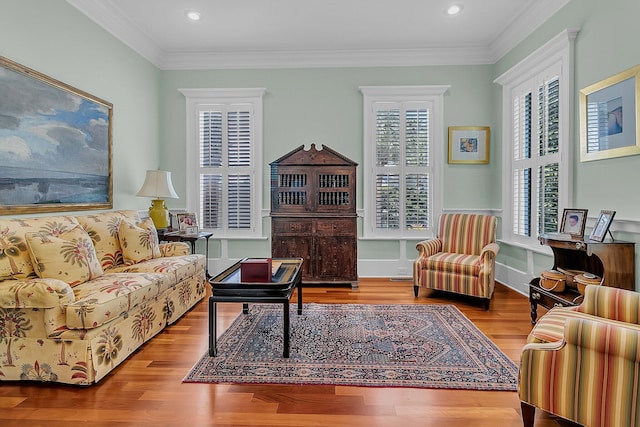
(285, 311)
(213, 320)
(299, 297)
(245, 308)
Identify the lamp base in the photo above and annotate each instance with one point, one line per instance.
(159, 214)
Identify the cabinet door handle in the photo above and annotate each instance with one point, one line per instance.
(535, 295)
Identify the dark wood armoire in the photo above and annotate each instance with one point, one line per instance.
(313, 213)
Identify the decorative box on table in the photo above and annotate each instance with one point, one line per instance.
(255, 270)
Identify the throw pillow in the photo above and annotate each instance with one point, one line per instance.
(139, 242)
(68, 256)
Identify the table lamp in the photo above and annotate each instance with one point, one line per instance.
(157, 184)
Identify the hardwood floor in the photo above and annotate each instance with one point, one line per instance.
(147, 389)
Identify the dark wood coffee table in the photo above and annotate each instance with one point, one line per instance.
(227, 287)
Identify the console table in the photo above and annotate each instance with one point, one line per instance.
(168, 236)
(613, 260)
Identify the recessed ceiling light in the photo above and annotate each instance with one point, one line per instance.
(193, 15)
(454, 9)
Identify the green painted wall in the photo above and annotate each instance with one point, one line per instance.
(55, 39)
(324, 106)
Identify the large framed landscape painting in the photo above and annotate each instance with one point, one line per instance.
(55, 145)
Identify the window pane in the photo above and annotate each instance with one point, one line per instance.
(388, 138)
(210, 138)
(211, 200)
(417, 201)
(549, 116)
(417, 131)
(239, 204)
(239, 134)
(548, 185)
(522, 127)
(522, 202)
(388, 201)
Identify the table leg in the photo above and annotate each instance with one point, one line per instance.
(285, 312)
(206, 258)
(300, 297)
(213, 320)
(245, 308)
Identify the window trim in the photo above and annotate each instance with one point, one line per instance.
(558, 52)
(433, 94)
(195, 98)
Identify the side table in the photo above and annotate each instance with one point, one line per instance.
(169, 236)
(538, 295)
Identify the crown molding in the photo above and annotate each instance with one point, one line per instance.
(107, 15)
(526, 23)
(324, 58)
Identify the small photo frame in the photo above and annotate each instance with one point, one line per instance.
(573, 222)
(602, 225)
(469, 144)
(187, 220)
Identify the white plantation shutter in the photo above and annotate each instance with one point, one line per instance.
(226, 144)
(536, 148)
(401, 165)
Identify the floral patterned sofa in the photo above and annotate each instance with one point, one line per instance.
(78, 294)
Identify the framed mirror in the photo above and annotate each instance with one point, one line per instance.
(610, 117)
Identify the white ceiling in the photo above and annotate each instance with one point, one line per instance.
(314, 33)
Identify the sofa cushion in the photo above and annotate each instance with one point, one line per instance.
(453, 263)
(68, 256)
(139, 241)
(178, 268)
(112, 295)
(15, 261)
(103, 230)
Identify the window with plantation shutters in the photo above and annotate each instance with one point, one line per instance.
(225, 167)
(400, 132)
(537, 98)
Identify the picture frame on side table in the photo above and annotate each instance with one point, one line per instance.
(187, 222)
(573, 222)
(56, 145)
(610, 117)
(602, 225)
(469, 144)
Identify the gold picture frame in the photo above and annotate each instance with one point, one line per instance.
(469, 144)
(66, 168)
(610, 117)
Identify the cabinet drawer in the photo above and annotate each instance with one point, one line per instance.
(336, 227)
(292, 226)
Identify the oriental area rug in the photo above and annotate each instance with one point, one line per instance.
(424, 346)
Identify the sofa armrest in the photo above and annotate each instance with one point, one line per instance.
(491, 249)
(607, 338)
(35, 293)
(428, 247)
(611, 303)
(175, 249)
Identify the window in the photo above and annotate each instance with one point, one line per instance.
(403, 130)
(537, 129)
(224, 158)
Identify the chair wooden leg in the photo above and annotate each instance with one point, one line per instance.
(528, 414)
(487, 302)
(415, 290)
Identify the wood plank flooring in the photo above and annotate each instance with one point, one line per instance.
(147, 389)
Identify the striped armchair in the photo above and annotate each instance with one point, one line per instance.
(461, 258)
(583, 363)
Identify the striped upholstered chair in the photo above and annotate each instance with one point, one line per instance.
(461, 258)
(583, 363)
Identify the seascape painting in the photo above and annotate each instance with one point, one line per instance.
(55, 145)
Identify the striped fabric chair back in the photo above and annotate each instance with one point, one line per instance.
(466, 233)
